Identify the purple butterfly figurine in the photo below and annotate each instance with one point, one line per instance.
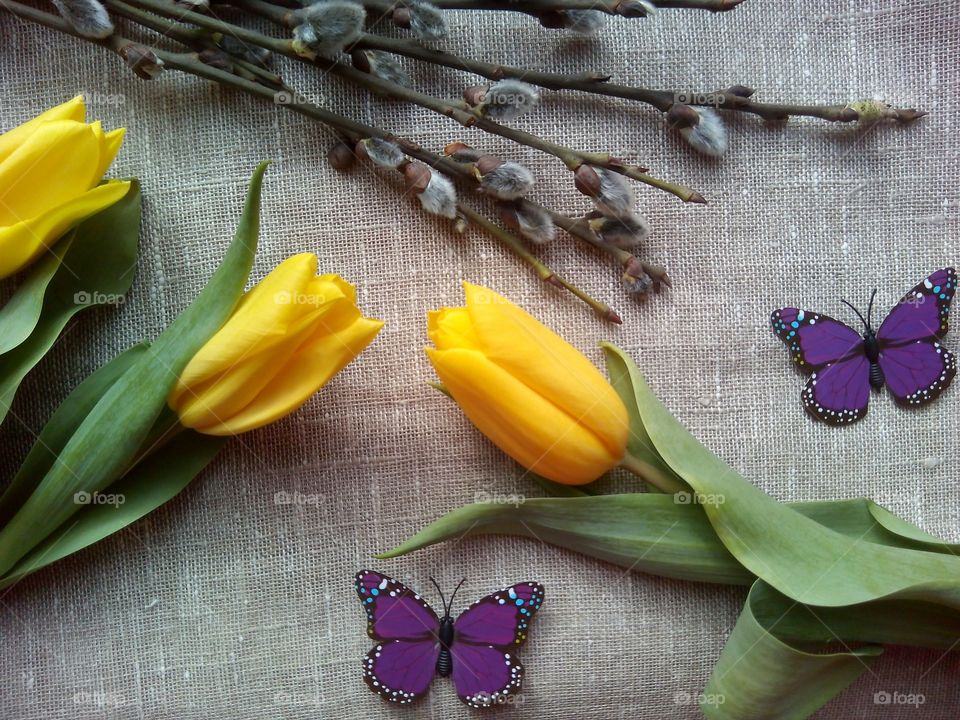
(413, 644)
(904, 354)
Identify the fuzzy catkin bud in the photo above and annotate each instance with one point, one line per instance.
(341, 156)
(328, 27)
(637, 9)
(381, 152)
(439, 197)
(635, 285)
(426, 20)
(507, 99)
(531, 221)
(461, 152)
(609, 190)
(708, 135)
(506, 181)
(142, 60)
(585, 22)
(250, 53)
(87, 17)
(624, 232)
(382, 65)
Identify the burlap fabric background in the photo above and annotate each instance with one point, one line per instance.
(225, 604)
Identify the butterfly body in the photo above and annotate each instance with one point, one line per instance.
(904, 354)
(477, 649)
(445, 636)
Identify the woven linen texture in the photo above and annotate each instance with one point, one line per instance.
(226, 604)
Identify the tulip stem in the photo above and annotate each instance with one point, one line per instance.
(656, 477)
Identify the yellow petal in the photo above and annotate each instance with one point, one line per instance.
(307, 370)
(12, 139)
(261, 320)
(109, 147)
(24, 242)
(529, 428)
(55, 164)
(450, 328)
(547, 364)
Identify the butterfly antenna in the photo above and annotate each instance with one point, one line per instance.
(870, 309)
(862, 319)
(455, 594)
(442, 600)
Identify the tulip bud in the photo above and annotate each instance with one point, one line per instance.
(426, 20)
(531, 393)
(328, 27)
(503, 99)
(505, 181)
(531, 221)
(57, 172)
(87, 17)
(381, 152)
(382, 65)
(702, 128)
(291, 334)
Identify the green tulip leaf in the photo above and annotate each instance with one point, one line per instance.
(94, 266)
(798, 556)
(60, 428)
(110, 437)
(147, 486)
(19, 316)
(761, 677)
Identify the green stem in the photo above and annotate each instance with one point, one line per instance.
(646, 472)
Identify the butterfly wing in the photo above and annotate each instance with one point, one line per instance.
(814, 339)
(486, 635)
(402, 664)
(839, 393)
(394, 611)
(917, 372)
(401, 670)
(921, 314)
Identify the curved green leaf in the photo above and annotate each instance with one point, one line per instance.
(93, 267)
(111, 435)
(795, 554)
(61, 427)
(150, 484)
(761, 677)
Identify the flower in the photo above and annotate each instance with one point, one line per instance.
(50, 171)
(524, 387)
(287, 338)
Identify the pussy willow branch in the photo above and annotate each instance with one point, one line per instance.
(454, 109)
(537, 7)
(190, 63)
(595, 83)
(578, 228)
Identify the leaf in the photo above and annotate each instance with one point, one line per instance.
(760, 677)
(97, 267)
(19, 316)
(110, 436)
(801, 558)
(639, 444)
(149, 485)
(60, 428)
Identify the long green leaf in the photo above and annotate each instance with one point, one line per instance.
(19, 316)
(760, 677)
(795, 554)
(111, 435)
(146, 487)
(97, 267)
(60, 428)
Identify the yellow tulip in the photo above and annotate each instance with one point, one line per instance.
(288, 336)
(524, 387)
(50, 172)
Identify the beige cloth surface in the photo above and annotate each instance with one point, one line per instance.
(224, 604)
